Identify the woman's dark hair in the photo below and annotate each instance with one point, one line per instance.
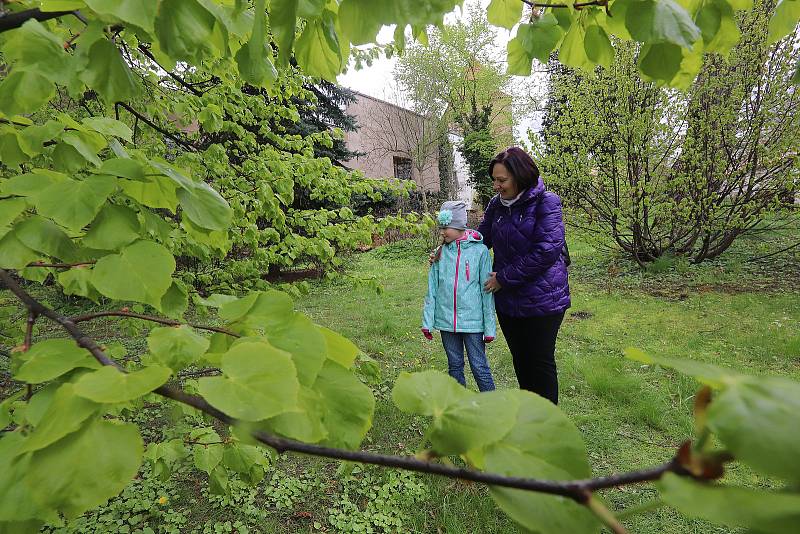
(519, 164)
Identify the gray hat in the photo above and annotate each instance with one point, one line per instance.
(453, 215)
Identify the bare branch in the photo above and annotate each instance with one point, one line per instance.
(170, 322)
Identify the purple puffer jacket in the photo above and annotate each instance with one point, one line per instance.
(528, 239)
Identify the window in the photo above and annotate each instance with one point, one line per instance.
(402, 168)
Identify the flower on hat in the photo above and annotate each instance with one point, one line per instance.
(444, 217)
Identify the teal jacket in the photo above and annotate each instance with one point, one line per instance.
(456, 301)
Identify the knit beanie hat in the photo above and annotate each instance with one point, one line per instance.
(453, 215)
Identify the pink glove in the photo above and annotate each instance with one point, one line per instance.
(488, 339)
(427, 334)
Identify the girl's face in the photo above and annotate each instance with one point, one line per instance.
(503, 182)
(450, 234)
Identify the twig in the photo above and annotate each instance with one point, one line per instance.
(576, 6)
(60, 265)
(13, 21)
(202, 372)
(578, 490)
(172, 75)
(26, 345)
(182, 142)
(170, 322)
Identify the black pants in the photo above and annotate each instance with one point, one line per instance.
(532, 341)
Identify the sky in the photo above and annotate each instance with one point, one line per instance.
(377, 80)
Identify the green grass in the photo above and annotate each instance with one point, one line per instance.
(630, 415)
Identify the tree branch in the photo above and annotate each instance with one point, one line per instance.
(60, 265)
(182, 142)
(13, 21)
(578, 490)
(172, 75)
(170, 322)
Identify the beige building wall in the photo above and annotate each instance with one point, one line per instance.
(391, 137)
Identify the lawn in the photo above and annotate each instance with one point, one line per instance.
(731, 313)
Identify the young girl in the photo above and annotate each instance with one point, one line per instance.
(456, 303)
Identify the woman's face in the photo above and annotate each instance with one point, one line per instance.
(503, 182)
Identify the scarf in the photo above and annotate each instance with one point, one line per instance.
(508, 203)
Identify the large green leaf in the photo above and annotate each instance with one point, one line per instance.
(141, 272)
(473, 422)
(110, 385)
(140, 13)
(318, 50)
(77, 281)
(65, 414)
(504, 13)
(175, 301)
(200, 202)
(109, 126)
(573, 50)
(52, 358)
(24, 92)
(17, 502)
(114, 227)
(269, 310)
(253, 59)
(86, 144)
(259, 382)
(108, 74)
(282, 23)
(124, 168)
(185, 30)
(360, 20)
(10, 209)
(660, 21)
(14, 254)
(717, 23)
(44, 236)
(762, 511)
(86, 468)
(598, 46)
(427, 393)
(11, 152)
(25, 185)
(32, 138)
(757, 420)
(339, 348)
(207, 457)
(305, 422)
(176, 347)
(73, 203)
(303, 340)
(348, 405)
(247, 460)
(784, 20)
(535, 40)
(660, 62)
(155, 192)
(33, 48)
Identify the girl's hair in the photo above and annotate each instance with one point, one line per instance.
(519, 164)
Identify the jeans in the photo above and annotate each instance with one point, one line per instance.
(454, 343)
(532, 342)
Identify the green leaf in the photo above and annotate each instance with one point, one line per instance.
(11, 152)
(124, 168)
(253, 59)
(573, 52)
(259, 382)
(348, 405)
(305, 422)
(660, 21)
(17, 502)
(427, 393)
(33, 48)
(660, 62)
(269, 310)
(360, 21)
(708, 374)
(25, 185)
(318, 51)
(205, 207)
(534, 40)
(86, 468)
(77, 281)
(86, 144)
(141, 272)
(114, 227)
(156, 192)
(24, 92)
(784, 20)
(176, 346)
(32, 138)
(44, 236)
(504, 13)
(14, 254)
(757, 418)
(339, 348)
(717, 22)
(108, 74)
(598, 46)
(247, 460)
(109, 126)
(762, 511)
(140, 13)
(303, 340)
(110, 385)
(74, 204)
(282, 22)
(185, 30)
(473, 422)
(52, 358)
(10, 209)
(65, 414)
(175, 301)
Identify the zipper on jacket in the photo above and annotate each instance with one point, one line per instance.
(455, 285)
(467, 270)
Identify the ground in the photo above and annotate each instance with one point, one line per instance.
(732, 312)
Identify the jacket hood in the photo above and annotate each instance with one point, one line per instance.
(470, 237)
(533, 193)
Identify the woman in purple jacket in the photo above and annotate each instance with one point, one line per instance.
(523, 225)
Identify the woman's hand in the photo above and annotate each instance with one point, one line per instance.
(492, 285)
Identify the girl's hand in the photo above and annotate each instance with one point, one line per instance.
(492, 285)
(488, 339)
(427, 334)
